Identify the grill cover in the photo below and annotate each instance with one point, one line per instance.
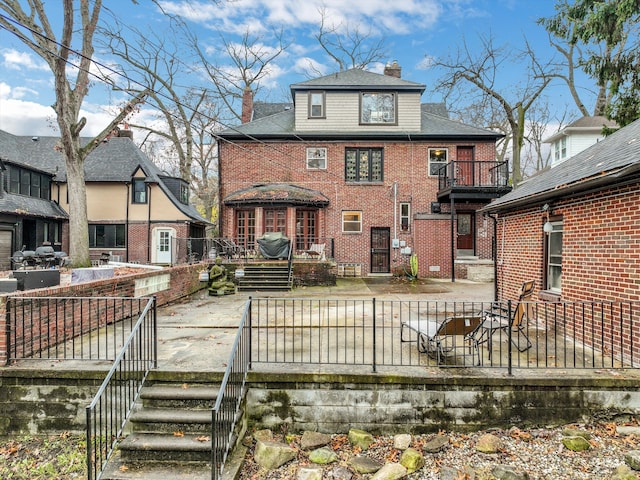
(274, 245)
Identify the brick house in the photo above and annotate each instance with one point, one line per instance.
(361, 165)
(135, 212)
(575, 228)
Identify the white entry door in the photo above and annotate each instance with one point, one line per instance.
(163, 245)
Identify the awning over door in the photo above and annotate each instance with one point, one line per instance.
(276, 194)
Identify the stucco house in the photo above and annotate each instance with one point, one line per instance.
(135, 212)
(360, 164)
(577, 136)
(575, 229)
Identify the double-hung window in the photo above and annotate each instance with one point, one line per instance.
(378, 107)
(139, 190)
(351, 221)
(316, 158)
(554, 257)
(363, 165)
(438, 158)
(405, 216)
(316, 105)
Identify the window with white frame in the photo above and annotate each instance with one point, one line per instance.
(553, 258)
(351, 221)
(438, 158)
(405, 216)
(378, 107)
(316, 158)
(561, 149)
(316, 105)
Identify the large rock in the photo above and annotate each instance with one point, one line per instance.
(412, 460)
(313, 440)
(360, 438)
(271, 455)
(489, 443)
(391, 471)
(310, 473)
(436, 444)
(364, 464)
(323, 456)
(506, 472)
(632, 458)
(402, 441)
(576, 443)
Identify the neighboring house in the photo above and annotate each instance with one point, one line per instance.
(361, 165)
(575, 228)
(577, 136)
(135, 212)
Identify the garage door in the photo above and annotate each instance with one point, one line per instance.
(5, 250)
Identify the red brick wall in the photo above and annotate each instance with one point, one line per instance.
(243, 164)
(183, 282)
(600, 247)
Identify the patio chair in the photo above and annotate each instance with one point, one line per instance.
(498, 319)
(316, 250)
(453, 337)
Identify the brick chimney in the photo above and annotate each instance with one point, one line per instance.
(247, 105)
(393, 70)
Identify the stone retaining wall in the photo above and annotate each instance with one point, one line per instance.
(383, 405)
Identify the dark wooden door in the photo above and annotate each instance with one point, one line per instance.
(380, 250)
(465, 230)
(464, 166)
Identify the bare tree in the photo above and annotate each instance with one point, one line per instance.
(348, 45)
(250, 62)
(477, 75)
(71, 74)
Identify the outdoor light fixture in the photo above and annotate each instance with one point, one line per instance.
(548, 227)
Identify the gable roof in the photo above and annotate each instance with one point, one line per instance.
(589, 124)
(357, 79)
(611, 161)
(114, 160)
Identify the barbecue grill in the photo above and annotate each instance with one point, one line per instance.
(41, 257)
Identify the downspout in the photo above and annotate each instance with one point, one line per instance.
(149, 246)
(453, 241)
(395, 209)
(126, 224)
(494, 254)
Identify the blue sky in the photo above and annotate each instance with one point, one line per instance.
(415, 31)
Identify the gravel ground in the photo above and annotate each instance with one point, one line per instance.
(538, 452)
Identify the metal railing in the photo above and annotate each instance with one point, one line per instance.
(71, 328)
(107, 414)
(376, 333)
(473, 174)
(227, 409)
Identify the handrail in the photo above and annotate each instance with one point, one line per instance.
(111, 407)
(224, 414)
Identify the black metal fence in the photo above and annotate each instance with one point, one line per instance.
(107, 414)
(71, 328)
(381, 333)
(227, 410)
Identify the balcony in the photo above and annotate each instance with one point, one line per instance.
(473, 181)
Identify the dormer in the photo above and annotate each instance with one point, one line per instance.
(356, 100)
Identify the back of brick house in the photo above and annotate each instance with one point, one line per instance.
(358, 163)
(575, 228)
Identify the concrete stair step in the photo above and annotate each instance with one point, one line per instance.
(153, 447)
(171, 420)
(169, 396)
(119, 469)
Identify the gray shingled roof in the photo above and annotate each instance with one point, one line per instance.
(25, 206)
(357, 79)
(112, 161)
(605, 163)
(264, 109)
(281, 193)
(281, 125)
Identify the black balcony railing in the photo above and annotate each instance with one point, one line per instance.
(473, 174)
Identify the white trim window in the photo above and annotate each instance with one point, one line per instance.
(438, 157)
(405, 216)
(316, 105)
(352, 221)
(316, 158)
(554, 257)
(378, 108)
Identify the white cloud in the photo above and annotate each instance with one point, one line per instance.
(16, 60)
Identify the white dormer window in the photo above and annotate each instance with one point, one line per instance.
(378, 107)
(316, 105)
